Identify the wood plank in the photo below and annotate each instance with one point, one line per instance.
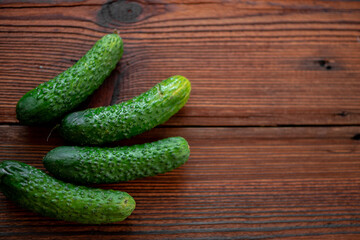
(270, 63)
(254, 4)
(239, 183)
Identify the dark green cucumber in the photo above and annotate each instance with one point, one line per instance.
(86, 165)
(51, 100)
(33, 189)
(106, 124)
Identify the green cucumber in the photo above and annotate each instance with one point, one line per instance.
(107, 124)
(31, 188)
(85, 165)
(52, 99)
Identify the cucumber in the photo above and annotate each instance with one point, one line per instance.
(86, 165)
(107, 124)
(33, 189)
(51, 100)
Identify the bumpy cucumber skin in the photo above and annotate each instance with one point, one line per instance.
(51, 100)
(107, 124)
(33, 189)
(85, 165)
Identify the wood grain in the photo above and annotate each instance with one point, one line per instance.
(239, 183)
(291, 66)
(255, 4)
(250, 62)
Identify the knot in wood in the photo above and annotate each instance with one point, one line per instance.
(120, 11)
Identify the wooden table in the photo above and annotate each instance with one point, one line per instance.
(273, 120)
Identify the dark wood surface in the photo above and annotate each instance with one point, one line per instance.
(273, 121)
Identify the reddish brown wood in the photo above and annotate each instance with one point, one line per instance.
(270, 63)
(255, 4)
(250, 182)
(251, 64)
